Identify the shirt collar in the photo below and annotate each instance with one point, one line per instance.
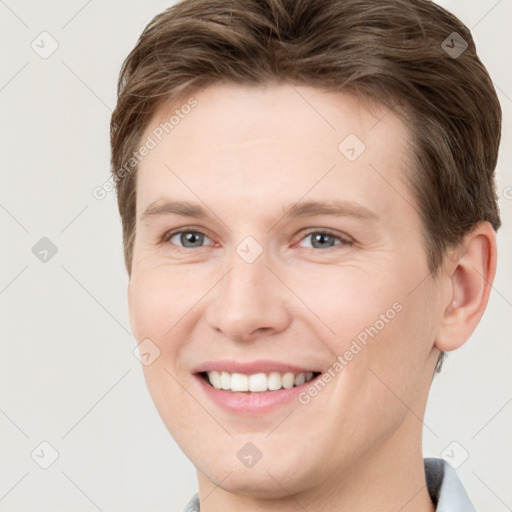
(445, 488)
(443, 485)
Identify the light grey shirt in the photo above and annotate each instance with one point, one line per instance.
(443, 484)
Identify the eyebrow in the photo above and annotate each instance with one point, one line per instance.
(336, 208)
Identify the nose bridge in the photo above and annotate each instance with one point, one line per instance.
(243, 280)
(248, 263)
(249, 297)
(246, 284)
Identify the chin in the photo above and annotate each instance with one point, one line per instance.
(257, 484)
(268, 480)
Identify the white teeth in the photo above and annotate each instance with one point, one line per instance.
(225, 380)
(299, 379)
(257, 382)
(215, 380)
(239, 382)
(274, 381)
(288, 379)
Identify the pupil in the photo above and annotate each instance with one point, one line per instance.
(321, 238)
(192, 238)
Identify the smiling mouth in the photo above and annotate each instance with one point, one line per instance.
(257, 382)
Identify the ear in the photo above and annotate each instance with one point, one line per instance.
(470, 274)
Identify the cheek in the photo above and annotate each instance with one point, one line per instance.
(396, 357)
(376, 323)
(345, 302)
(156, 301)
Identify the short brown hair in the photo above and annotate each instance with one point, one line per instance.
(396, 52)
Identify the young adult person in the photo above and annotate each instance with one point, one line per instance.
(309, 213)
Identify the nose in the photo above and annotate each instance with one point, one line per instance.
(249, 301)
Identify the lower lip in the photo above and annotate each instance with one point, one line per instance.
(247, 402)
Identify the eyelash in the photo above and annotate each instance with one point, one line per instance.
(343, 241)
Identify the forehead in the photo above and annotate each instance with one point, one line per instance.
(244, 143)
(243, 114)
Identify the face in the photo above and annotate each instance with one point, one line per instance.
(298, 256)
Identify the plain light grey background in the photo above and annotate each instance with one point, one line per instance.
(68, 376)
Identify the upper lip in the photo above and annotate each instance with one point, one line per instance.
(250, 367)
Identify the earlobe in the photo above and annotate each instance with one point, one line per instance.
(471, 277)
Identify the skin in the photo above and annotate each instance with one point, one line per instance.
(245, 153)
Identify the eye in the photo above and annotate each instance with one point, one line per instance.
(192, 238)
(323, 239)
(186, 238)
